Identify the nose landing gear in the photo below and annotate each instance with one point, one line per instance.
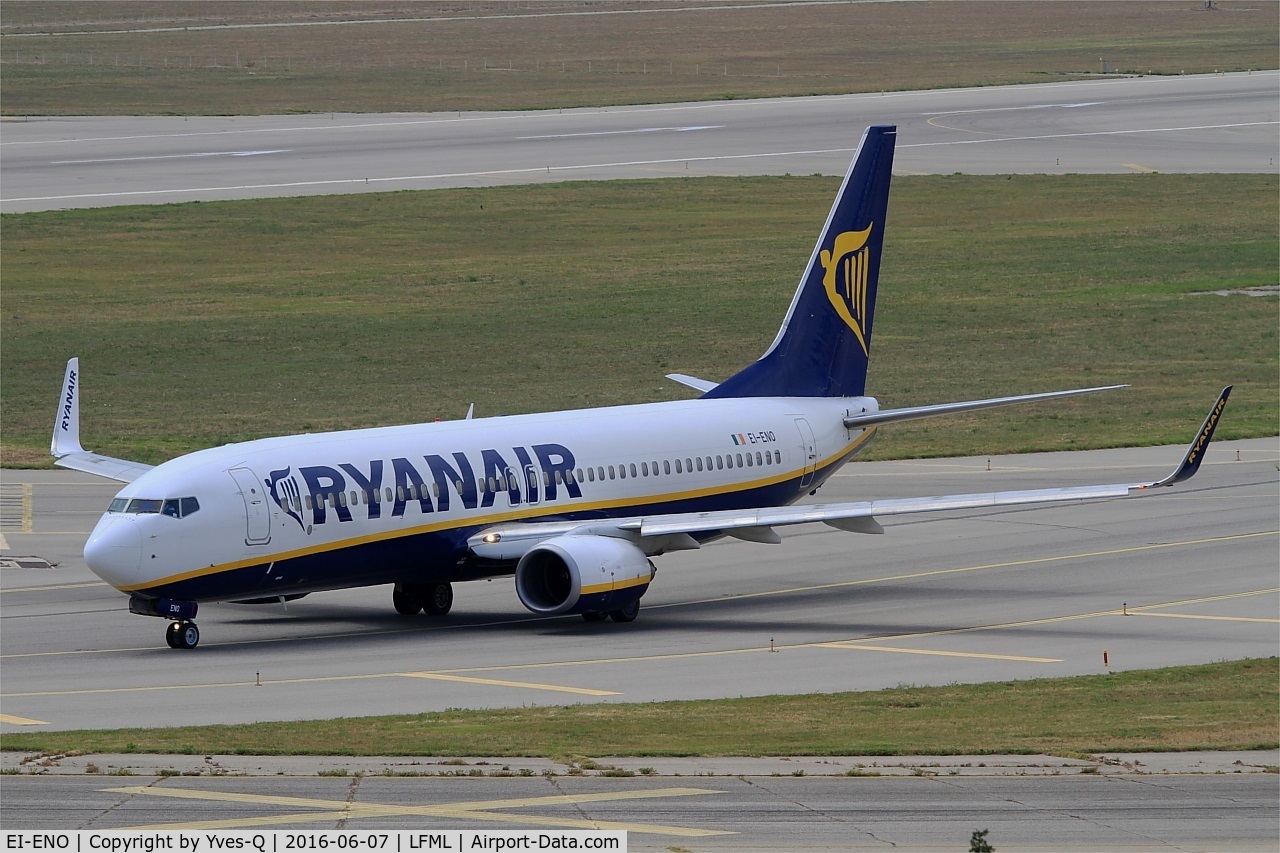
(182, 635)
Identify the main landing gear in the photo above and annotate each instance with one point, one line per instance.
(436, 599)
(624, 614)
(182, 635)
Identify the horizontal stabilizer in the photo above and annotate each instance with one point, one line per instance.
(889, 416)
(693, 382)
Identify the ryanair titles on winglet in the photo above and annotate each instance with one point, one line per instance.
(432, 481)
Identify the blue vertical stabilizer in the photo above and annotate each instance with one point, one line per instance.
(822, 348)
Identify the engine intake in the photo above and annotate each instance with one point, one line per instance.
(577, 574)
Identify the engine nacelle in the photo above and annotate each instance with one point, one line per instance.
(577, 574)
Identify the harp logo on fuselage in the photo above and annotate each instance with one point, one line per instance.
(847, 264)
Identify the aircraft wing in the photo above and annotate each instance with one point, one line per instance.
(675, 530)
(66, 437)
(121, 470)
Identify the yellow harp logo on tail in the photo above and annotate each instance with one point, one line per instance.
(845, 280)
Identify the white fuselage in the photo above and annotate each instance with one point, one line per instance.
(288, 515)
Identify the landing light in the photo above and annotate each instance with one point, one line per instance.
(492, 538)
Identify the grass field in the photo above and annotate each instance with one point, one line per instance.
(113, 58)
(204, 323)
(1227, 706)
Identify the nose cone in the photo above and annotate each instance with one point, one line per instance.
(114, 550)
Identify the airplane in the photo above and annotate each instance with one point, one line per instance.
(574, 504)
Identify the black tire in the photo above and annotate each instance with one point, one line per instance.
(595, 616)
(405, 601)
(438, 599)
(171, 635)
(626, 614)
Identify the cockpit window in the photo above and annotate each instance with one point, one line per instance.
(172, 507)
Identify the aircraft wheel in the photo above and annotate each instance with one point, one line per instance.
(595, 616)
(626, 614)
(404, 601)
(182, 635)
(439, 599)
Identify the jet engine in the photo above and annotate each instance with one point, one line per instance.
(582, 574)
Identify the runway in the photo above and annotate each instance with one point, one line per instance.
(956, 597)
(1207, 123)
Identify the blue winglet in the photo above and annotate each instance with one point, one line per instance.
(1195, 453)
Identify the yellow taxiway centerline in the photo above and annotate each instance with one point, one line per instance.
(555, 687)
(1198, 616)
(857, 645)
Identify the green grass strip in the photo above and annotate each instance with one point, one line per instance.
(63, 63)
(1223, 706)
(200, 324)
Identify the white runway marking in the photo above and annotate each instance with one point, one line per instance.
(622, 132)
(173, 156)
(1013, 109)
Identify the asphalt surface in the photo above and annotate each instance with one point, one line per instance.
(1210, 123)
(955, 597)
(1232, 811)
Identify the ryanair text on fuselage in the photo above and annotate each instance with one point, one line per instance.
(432, 481)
